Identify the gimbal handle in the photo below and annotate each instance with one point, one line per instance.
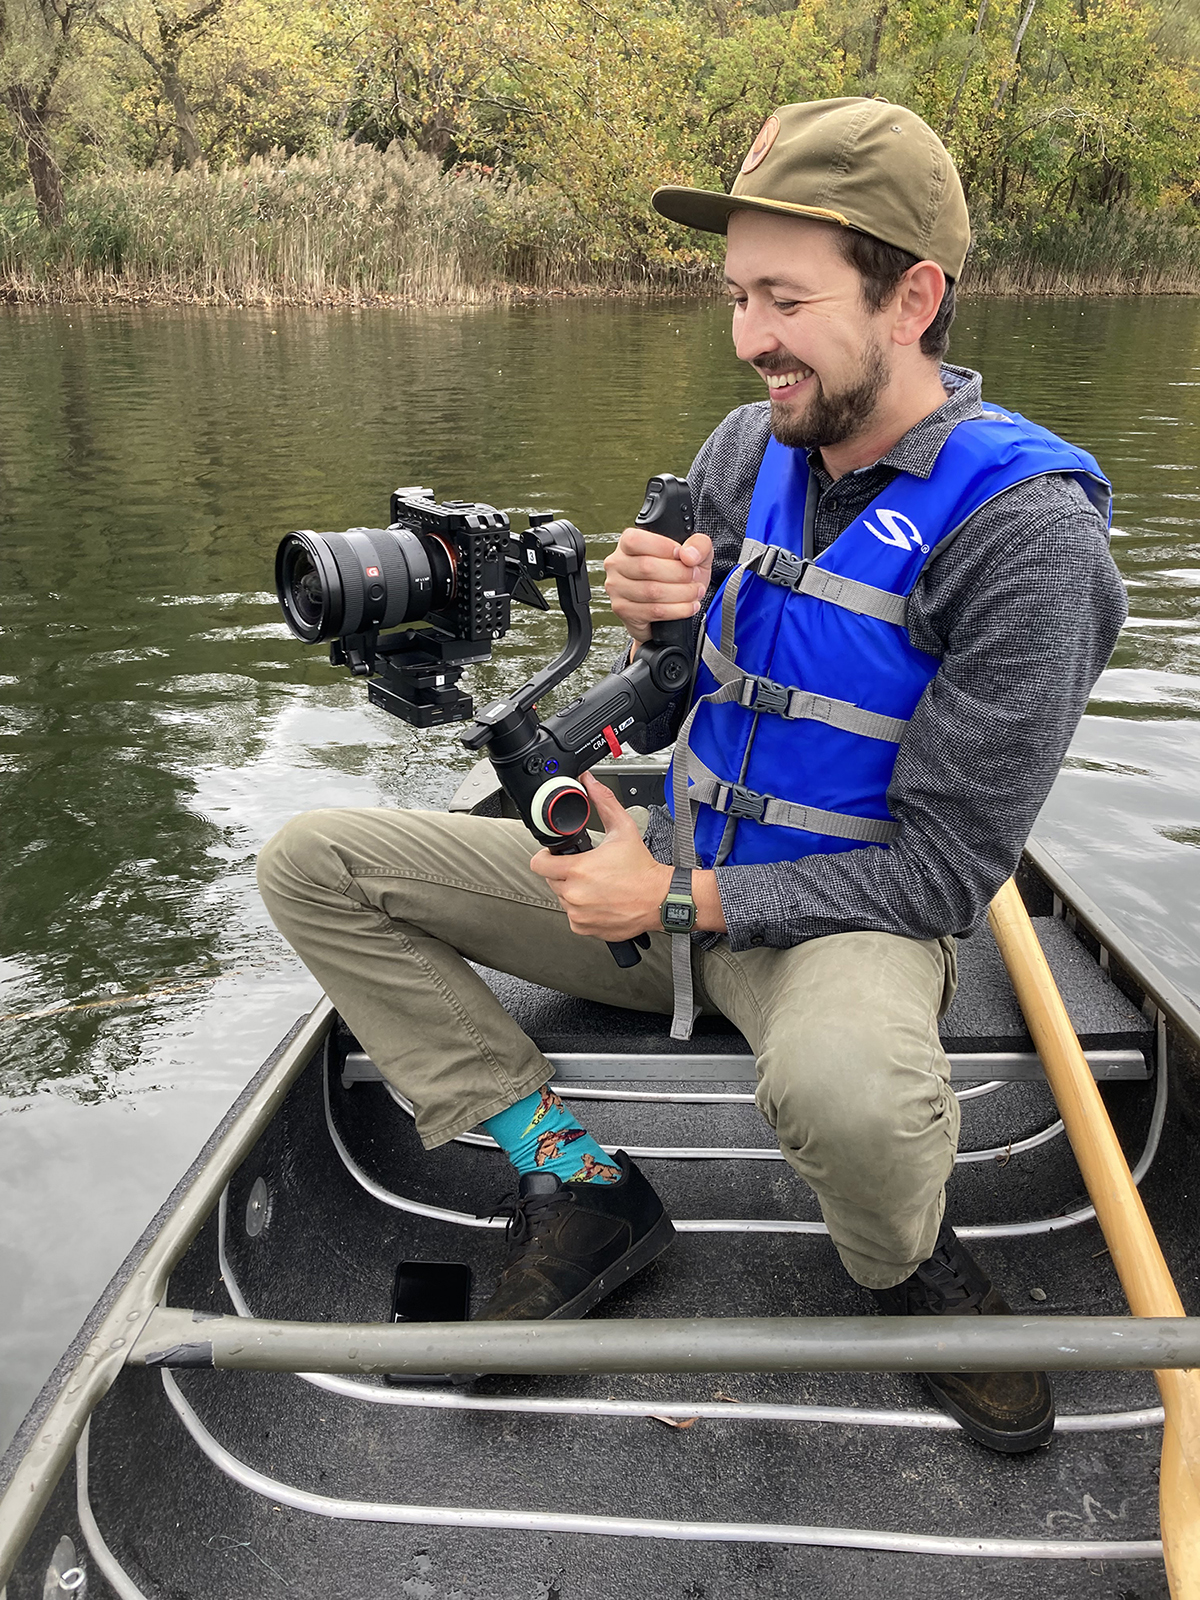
(667, 509)
(539, 763)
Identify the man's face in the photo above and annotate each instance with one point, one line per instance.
(800, 321)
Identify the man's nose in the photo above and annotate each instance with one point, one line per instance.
(752, 337)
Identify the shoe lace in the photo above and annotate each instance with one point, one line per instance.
(523, 1212)
(946, 1285)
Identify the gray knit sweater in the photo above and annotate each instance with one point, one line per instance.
(1022, 608)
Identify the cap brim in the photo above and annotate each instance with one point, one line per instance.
(709, 209)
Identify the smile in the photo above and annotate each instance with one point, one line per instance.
(786, 380)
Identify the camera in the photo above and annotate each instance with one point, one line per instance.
(444, 574)
(453, 569)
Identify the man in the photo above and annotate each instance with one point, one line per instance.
(906, 599)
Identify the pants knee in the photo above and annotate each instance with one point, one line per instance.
(300, 854)
(850, 1110)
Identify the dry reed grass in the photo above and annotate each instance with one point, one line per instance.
(355, 224)
(1102, 252)
(352, 224)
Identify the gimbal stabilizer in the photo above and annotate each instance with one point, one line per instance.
(538, 763)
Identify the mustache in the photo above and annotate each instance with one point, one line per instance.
(780, 363)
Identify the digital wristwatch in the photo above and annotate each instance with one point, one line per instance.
(678, 911)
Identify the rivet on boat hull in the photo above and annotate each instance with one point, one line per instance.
(258, 1208)
(64, 1575)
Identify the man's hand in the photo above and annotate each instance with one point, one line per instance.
(649, 578)
(615, 891)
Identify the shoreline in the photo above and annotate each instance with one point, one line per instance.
(357, 226)
(109, 296)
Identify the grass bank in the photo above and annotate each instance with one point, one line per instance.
(353, 224)
(1101, 252)
(358, 225)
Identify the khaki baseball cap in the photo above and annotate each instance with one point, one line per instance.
(864, 164)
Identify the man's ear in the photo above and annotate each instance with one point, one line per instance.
(916, 301)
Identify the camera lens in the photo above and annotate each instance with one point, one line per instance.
(334, 584)
(304, 589)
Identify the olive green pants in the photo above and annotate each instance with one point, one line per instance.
(386, 908)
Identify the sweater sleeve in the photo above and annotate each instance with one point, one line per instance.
(1024, 610)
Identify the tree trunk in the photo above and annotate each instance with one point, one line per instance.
(962, 77)
(187, 147)
(39, 153)
(1006, 83)
(877, 39)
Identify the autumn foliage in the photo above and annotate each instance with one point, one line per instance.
(1075, 123)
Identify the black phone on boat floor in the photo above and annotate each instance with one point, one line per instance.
(430, 1291)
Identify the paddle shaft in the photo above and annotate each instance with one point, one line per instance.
(1131, 1241)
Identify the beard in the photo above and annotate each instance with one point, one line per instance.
(833, 418)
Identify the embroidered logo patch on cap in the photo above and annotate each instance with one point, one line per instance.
(758, 150)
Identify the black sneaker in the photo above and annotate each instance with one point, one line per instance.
(1009, 1411)
(570, 1244)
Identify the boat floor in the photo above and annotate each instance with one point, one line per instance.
(330, 1248)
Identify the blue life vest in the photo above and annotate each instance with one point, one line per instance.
(808, 677)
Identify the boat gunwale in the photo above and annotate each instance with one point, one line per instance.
(44, 1443)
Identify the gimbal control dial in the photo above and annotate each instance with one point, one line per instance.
(560, 808)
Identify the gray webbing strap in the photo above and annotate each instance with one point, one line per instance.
(764, 694)
(848, 593)
(780, 566)
(686, 1009)
(732, 799)
(683, 854)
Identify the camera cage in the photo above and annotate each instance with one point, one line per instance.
(414, 672)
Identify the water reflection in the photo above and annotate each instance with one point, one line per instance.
(159, 722)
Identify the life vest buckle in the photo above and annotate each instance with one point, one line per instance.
(764, 694)
(783, 568)
(735, 801)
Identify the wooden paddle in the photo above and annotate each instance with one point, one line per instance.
(1122, 1217)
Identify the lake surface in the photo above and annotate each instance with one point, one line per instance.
(159, 722)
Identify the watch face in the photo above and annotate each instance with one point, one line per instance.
(676, 916)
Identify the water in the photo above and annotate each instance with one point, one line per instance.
(159, 722)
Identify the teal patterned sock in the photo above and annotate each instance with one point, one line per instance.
(539, 1134)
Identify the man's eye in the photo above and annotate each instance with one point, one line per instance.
(735, 303)
(786, 305)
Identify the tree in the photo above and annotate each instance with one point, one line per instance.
(37, 45)
(235, 77)
(761, 62)
(161, 34)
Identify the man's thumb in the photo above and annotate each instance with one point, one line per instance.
(606, 805)
(697, 548)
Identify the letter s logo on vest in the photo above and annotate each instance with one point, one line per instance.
(907, 537)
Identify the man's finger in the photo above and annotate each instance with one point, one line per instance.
(552, 868)
(609, 809)
(642, 542)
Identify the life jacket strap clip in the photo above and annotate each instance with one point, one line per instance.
(782, 567)
(736, 801)
(764, 694)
